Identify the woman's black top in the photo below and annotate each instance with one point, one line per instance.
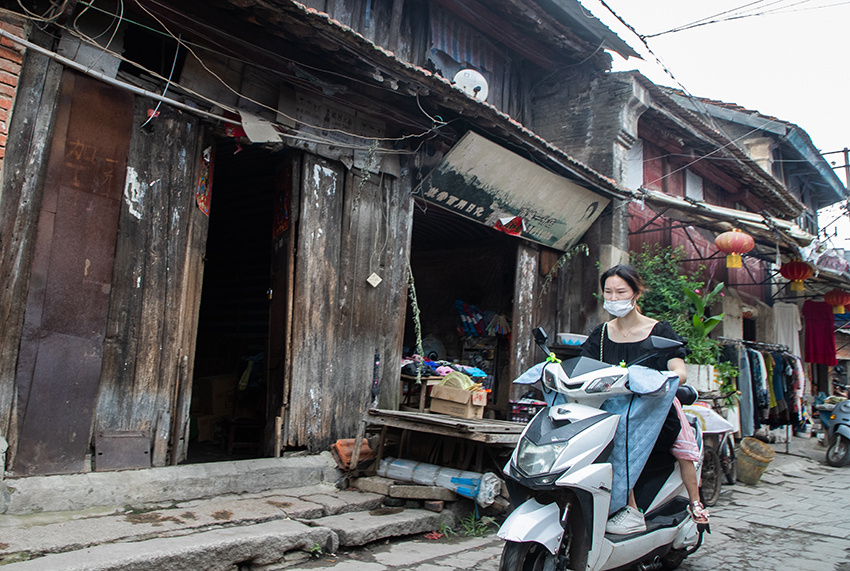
(613, 352)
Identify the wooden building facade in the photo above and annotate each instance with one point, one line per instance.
(209, 191)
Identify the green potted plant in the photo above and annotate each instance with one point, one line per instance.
(680, 300)
(702, 359)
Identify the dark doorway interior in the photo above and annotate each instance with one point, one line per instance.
(230, 385)
(458, 260)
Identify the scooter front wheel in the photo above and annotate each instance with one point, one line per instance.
(838, 453)
(526, 556)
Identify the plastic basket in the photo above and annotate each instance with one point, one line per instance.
(753, 459)
(523, 412)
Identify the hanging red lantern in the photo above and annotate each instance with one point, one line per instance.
(796, 271)
(837, 298)
(734, 243)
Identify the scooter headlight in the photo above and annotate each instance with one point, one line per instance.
(534, 459)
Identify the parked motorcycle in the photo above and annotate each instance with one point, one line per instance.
(838, 453)
(560, 477)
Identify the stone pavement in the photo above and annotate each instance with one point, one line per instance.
(797, 517)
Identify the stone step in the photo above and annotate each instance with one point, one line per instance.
(360, 528)
(215, 533)
(170, 484)
(39, 534)
(217, 550)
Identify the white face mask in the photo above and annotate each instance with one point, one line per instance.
(620, 307)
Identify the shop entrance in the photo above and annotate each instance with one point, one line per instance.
(464, 274)
(239, 356)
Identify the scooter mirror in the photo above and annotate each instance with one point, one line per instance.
(540, 336)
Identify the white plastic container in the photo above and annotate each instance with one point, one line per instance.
(571, 339)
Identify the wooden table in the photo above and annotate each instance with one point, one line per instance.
(490, 436)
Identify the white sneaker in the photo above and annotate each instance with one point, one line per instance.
(627, 520)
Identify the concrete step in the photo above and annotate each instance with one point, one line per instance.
(248, 531)
(360, 528)
(242, 547)
(74, 492)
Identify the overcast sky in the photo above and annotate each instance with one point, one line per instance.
(790, 65)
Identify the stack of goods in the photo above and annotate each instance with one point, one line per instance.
(458, 395)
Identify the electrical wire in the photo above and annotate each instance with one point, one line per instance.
(262, 105)
(165, 89)
(718, 149)
(775, 11)
(311, 138)
(314, 138)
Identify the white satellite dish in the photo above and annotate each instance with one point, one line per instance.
(472, 83)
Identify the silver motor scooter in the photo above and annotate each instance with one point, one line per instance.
(838, 453)
(560, 480)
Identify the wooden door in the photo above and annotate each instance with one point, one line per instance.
(62, 344)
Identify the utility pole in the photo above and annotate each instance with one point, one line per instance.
(846, 167)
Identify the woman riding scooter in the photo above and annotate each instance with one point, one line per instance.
(619, 340)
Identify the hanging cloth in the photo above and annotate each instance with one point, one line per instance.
(787, 326)
(746, 388)
(820, 336)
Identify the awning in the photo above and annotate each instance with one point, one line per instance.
(485, 182)
(764, 228)
(768, 232)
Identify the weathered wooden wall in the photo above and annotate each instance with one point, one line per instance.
(149, 346)
(20, 205)
(340, 322)
(532, 309)
(397, 25)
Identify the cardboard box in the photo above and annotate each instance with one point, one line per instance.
(458, 402)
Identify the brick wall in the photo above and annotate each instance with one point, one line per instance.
(11, 55)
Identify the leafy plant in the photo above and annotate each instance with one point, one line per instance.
(727, 378)
(316, 550)
(476, 527)
(665, 299)
(447, 530)
(704, 350)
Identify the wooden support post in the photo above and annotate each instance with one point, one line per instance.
(278, 436)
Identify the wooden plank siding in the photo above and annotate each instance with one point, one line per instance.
(158, 271)
(532, 309)
(20, 207)
(340, 321)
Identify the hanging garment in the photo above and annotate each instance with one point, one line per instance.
(746, 388)
(787, 326)
(771, 369)
(820, 336)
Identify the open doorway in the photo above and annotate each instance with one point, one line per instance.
(239, 350)
(464, 275)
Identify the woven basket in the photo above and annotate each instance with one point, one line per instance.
(754, 457)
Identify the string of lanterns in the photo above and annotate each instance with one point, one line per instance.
(735, 242)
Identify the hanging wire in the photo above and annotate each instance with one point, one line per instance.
(165, 90)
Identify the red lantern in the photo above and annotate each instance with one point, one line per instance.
(734, 243)
(837, 298)
(796, 271)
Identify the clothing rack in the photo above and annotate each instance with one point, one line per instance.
(753, 344)
(766, 347)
